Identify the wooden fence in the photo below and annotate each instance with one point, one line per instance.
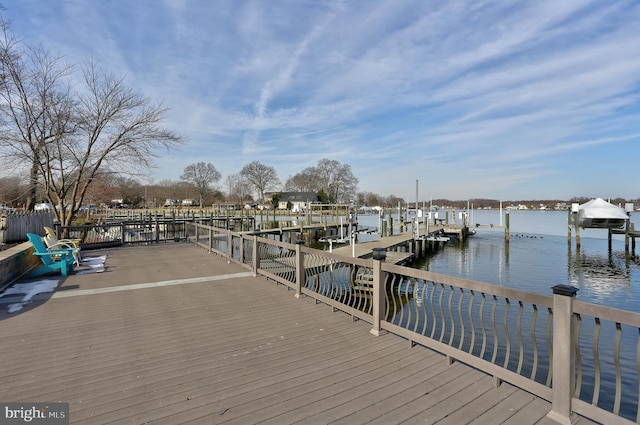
(15, 226)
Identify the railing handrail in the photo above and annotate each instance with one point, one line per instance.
(611, 314)
(487, 288)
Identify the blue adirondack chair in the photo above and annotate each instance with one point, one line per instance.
(52, 260)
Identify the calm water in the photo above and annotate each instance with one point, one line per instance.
(539, 257)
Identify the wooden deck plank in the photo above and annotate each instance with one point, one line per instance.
(497, 414)
(346, 392)
(478, 406)
(152, 343)
(534, 412)
(251, 386)
(208, 383)
(422, 402)
(436, 378)
(284, 396)
(474, 388)
(228, 349)
(282, 387)
(271, 361)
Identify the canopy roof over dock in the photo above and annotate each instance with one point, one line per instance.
(601, 214)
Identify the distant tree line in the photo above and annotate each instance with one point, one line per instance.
(199, 181)
(331, 180)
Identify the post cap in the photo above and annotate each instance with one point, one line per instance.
(566, 290)
(379, 253)
(300, 242)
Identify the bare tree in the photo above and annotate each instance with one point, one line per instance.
(102, 189)
(237, 188)
(13, 191)
(36, 108)
(330, 176)
(337, 180)
(66, 137)
(260, 177)
(202, 175)
(72, 137)
(130, 190)
(304, 181)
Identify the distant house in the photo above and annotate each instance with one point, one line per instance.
(117, 203)
(298, 201)
(43, 206)
(189, 202)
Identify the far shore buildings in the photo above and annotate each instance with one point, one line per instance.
(297, 201)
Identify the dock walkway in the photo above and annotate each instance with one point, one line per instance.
(363, 249)
(171, 334)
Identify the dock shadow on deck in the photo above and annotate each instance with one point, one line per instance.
(202, 341)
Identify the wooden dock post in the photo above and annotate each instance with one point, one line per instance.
(569, 226)
(506, 226)
(628, 208)
(626, 236)
(577, 226)
(575, 208)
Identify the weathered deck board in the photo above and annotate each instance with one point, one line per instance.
(230, 349)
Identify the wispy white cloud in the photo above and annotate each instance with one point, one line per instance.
(479, 99)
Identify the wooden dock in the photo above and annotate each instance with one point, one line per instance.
(171, 334)
(398, 246)
(365, 249)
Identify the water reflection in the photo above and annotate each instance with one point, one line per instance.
(605, 276)
(535, 263)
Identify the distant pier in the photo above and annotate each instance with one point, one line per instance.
(404, 247)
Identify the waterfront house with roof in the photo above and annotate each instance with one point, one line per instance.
(297, 201)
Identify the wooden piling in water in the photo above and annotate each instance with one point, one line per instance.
(569, 227)
(506, 226)
(577, 227)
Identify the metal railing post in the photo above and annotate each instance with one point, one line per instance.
(229, 246)
(299, 268)
(379, 298)
(211, 235)
(563, 367)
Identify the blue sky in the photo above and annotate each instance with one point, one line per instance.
(498, 99)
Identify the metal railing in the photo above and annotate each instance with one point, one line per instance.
(583, 358)
(116, 234)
